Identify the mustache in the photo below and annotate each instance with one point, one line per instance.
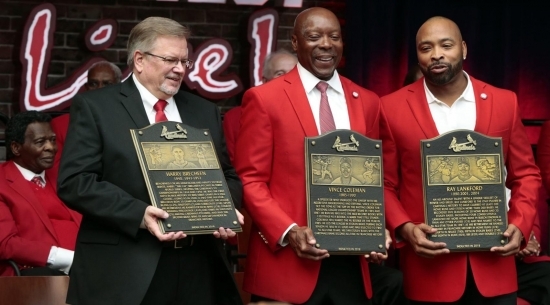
(439, 63)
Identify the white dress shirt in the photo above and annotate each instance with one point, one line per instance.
(335, 95)
(336, 100)
(149, 101)
(460, 115)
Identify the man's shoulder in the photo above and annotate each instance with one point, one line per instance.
(483, 86)
(348, 84)
(401, 92)
(193, 99)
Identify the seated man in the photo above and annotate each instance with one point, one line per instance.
(37, 230)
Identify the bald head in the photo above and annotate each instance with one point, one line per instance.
(438, 24)
(317, 40)
(441, 51)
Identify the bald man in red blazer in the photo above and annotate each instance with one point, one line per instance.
(410, 121)
(431, 273)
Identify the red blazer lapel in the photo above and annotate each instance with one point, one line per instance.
(77, 217)
(22, 187)
(356, 113)
(416, 98)
(484, 106)
(300, 103)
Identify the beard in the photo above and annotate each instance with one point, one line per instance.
(442, 78)
(170, 91)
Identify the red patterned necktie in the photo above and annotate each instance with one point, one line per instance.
(159, 108)
(38, 181)
(326, 120)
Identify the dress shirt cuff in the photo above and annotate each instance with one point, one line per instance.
(282, 241)
(60, 259)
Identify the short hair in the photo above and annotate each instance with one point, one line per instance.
(177, 146)
(144, 35)
(345, 160)
(463, 160)
(114, 68)
(270, 56)
(17, 126)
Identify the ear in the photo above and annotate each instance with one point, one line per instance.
(15, 148)
(138, 61)
(294, 41)
(464, 49)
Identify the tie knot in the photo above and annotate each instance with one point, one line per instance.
(38, 181)
(322, 86)
(160, 105)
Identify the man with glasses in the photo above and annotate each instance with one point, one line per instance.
(121, 256)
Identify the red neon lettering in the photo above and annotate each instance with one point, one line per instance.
(262, 29)
(212, 58)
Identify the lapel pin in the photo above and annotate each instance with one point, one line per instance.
(484, 96)
(355, 94)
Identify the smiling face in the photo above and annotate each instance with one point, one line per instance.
(163, 80)
(317, 41)
(345, 169)
(440, 50)
(38, 151)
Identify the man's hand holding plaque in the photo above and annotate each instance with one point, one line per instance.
(464, 196)
(345, 197)
(187, 187)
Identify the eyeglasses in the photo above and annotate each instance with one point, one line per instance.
(173, 61)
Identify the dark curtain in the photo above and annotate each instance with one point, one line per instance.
(507, 41)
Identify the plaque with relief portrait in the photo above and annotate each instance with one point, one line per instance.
(345, 194)
(184, 178)
(464, 192)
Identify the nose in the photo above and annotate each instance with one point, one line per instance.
(325, 42)
(51, 145)
(179, 67)
(437, 54)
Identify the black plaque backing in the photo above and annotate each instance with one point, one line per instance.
(464, 191)
(345, 193)
(184, 178)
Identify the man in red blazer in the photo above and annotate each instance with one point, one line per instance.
(447, 99)
(37, 231)
(282, 262)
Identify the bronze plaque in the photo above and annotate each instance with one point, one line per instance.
(464, 191)
(345, 194)
(184, 178)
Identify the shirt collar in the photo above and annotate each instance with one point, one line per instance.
(28, 175)
(148, 99)
(310, 81)
(467, 95)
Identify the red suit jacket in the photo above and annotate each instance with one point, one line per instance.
(276, 117)
(26, 233)
(442, 279)
(231, 127)
(60, 126)
(543, 155)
